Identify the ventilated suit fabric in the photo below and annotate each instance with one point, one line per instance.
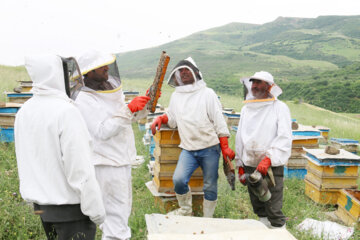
(53, 146)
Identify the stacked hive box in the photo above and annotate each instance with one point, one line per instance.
(304, 136)
(348, 206)
(324, 133)
(349, 145)
(7, 119)
(166, 155)
(231, 118)
(130, 95)
(328, 174)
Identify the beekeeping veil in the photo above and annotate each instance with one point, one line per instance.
(93, 59)
(175, 79)
(54, 75)
(72, 77)
(274, 91)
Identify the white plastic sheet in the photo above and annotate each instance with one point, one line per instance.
(163, 227)
(327, 230)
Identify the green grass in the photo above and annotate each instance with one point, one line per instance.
(9, 77)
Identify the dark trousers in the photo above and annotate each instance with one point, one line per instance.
(272, 208)
(65, 222)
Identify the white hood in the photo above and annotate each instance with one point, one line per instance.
(47, 74)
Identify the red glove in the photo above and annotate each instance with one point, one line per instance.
(226, 151)
(138, 103)
(264, 165)
(163, 119)
(241, 175)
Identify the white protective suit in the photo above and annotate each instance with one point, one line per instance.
(53, 146)
(109, 121)
(264, 130)
(197, 113)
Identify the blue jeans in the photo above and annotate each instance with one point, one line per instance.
(189, 161)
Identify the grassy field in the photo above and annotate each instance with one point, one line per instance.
(18, 222)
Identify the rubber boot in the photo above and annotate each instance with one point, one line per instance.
(265, 221)
(209, 208)
(185, 203)
(283, 226)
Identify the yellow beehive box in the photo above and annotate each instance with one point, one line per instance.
(308, 143)
(166, 185)
(167, 170)
(348, 206)
(331, 182)
(167, 136)
(332, 170)
(166, 152)
(321, 196)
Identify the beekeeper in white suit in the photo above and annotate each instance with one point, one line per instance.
(263, 140)
(196, 111)
(53, 151)
(109, 119)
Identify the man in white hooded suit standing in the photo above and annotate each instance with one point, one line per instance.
(263, 140)
(53, 151)
(196, 111)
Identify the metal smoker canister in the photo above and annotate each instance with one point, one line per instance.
(259, 186)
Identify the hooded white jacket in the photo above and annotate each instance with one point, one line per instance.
(264, 130)
(109, 122)
(197, 113)
(53, 146)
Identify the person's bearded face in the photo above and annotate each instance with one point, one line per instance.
(259, 89)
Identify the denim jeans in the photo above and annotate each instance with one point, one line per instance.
(189, 161)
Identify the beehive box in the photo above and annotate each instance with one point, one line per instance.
(167, 170)
(130, 95)
(331, 182)
(294, 172)
(166, 152)
(332, 170)
(7, 119)
(349, 145)
(348, 206)
(18, 97)
(6, 134)
(165, 184)
(321, 196)
(231, 118)
(167, 136)
(299, 162)
(344, 158)
(306, 136)
(324, 133)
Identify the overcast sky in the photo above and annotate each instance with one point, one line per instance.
(69, 27)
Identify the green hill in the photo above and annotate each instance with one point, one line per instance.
(292, 49)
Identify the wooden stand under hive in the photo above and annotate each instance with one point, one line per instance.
(166, 155)
(303, 136)
(328, 174)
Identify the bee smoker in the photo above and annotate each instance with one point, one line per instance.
(260, 186)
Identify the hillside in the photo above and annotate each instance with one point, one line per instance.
(292, 49)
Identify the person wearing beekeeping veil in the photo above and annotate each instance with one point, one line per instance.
(197, 113)
(53, 152)
(109, 119)
(263, 140)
